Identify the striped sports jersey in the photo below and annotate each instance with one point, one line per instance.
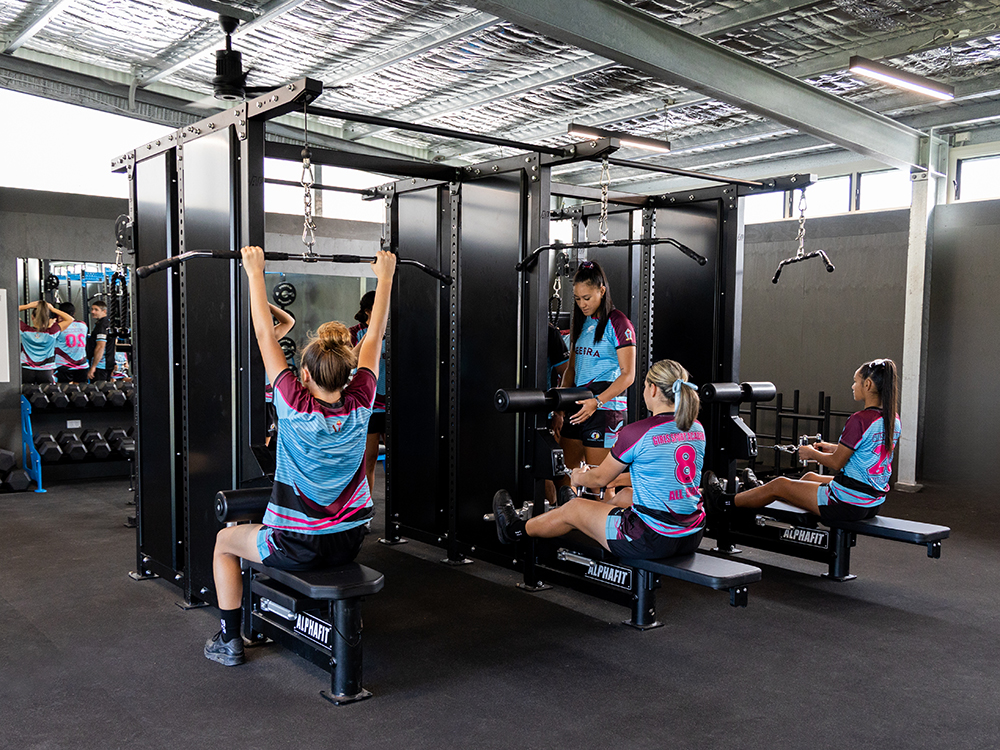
(71, 346)
(665, 465)
(870, 466)
(598, 361)
(357, 333)
(319, 483)
(38, 348)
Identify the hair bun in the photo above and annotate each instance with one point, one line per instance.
(333, 335)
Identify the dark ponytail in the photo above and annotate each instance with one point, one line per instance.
(590, 272)
(367, 303)
(883, 375)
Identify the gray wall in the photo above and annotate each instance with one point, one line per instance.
(812, 329)
(961, 441)
(58, 226)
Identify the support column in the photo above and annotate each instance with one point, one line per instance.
(928, 189)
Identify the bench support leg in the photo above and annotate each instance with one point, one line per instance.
(840, 565)
(934, 550)
(644, 603)
(345, 663)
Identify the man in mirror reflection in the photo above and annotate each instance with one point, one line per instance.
(101, 344)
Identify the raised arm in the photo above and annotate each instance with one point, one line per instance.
(371, 345)
(260, 312)
(65, 319)
(285, 321)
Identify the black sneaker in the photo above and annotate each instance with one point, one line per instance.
(715, 495)
(749, 480)
(505, 515)
(227, 653)
(564, 495)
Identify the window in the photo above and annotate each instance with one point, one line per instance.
(764, 207)
(330, 204)
(977, 179)
(890, 188)
(828, 196)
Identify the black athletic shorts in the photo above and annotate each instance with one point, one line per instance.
(29, 375)
(66, 375)
(291, 551)
(834, 510)
(376, 423)
(629, 536)
(600, 430)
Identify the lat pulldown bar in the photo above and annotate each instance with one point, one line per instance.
(161, 265)
(529, 261)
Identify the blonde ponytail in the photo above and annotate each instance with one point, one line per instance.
(672, 380)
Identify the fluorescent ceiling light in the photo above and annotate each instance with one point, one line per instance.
(901, 78)
(626, 139)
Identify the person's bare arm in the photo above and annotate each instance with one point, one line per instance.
(65, 319)
(370, 352)
(835, 459)
(285, 321)
(260, 313)
(599, 476)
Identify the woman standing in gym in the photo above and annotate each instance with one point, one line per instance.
(38, 341)
(661, 514)
(376, 425)
(601, 358)
(321, 504)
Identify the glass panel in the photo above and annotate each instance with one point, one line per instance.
(887, 189)
(978, 179)
(831, 195)
(764, 207)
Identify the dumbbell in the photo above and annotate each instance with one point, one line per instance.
(129, 390)
(126, 448)
(72, 447)
(115, 397)
(35, 396)
(95, 396)
(57, 396)
(16, 480)
(97, 446)
(119, 441)
(77, 395)
(130, 431)
(47, 447)
(7, 460)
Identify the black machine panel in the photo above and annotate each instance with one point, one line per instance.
(417, 466)
(685, 294)
(490, 247)
(209, 316)
(159, 520)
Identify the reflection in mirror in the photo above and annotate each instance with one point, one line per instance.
(74, 321)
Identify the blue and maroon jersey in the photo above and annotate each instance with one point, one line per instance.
(38, 348)
(357, 333)
(597, 361)
(864, 480)
(665, 465)
(319, 483)
(71, 346)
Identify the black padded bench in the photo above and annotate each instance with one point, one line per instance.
(701, 569)
(315, 613)
(844, 533)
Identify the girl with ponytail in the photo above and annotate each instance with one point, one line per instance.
(38, 341)
(661, 514)
(321, 504)
(862, 459)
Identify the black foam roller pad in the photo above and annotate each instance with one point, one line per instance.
(242, 505)
(563, 397)
(520, 400)
(758, 391)
(724, 393)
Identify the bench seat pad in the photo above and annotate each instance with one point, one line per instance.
(898, 529)
(342, 582)
(702, 569)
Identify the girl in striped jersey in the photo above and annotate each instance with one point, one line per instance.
(661, 514)
(601, 358)
(320, 505)
(38, 341)
(862, 459)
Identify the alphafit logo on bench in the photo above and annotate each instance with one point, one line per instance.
(809, 537)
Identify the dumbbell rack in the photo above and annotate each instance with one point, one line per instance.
(32, 461)
(60, 419)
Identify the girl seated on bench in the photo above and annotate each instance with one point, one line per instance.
(321, 504)
(661, 515)
(862, 459)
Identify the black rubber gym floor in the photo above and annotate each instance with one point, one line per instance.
(906, 656)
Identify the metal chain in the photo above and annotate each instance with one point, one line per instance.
(605, 184)
(308, 227)
(801, 236)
